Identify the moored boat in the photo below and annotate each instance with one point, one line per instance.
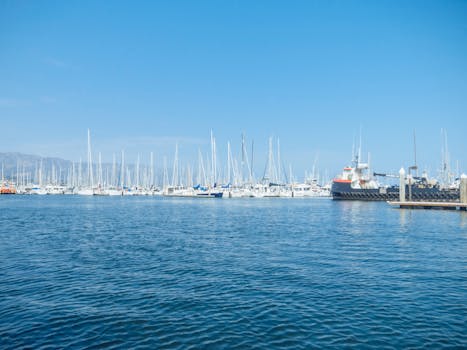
(7, 187)
(355, 183)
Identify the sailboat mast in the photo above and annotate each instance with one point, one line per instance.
(279, 180)
(213, 160)
(252, 153)
(90, 175)
(165, 181)
(137, 172)
(269, 175)
(40, 174)
(80, 173)
(243, 159)
(175, 167)
(151, 171)
(99, 175)
(114, 171)
(228, 162)
(122, 170)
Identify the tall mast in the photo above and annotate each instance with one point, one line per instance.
(269, 172)
(189, 178)
(354, 154)
(252, 153)
(228, 162)
(290, 174)
(166, 175)
(17, 172)
(90, 176)
(151, 171)
(243, 158)
(122, 171)
(198, 176)
(99, 175)
(415, 153)
(360, 147)
(203, 178)
(445, 166)
(128, 179)
(114, 171)
(137, 172)
(213, 160)
(175, 167)
(80, 173)
(40, 174)
(73, 175)
(278, 161)
(36, 172)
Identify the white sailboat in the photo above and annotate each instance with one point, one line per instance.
(88, 190)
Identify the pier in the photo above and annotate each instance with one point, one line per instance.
(429, 205)
(404, 204)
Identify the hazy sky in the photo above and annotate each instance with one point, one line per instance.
(143, 75)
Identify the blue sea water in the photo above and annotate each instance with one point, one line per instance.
(159, 273)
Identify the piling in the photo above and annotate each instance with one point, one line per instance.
(402, 185)
(463, 189)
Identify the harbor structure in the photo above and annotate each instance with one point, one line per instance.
(461, 204)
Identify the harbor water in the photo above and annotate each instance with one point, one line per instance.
(167, 273)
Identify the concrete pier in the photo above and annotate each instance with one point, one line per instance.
(429, 205)
(463, 189)
(402, 185)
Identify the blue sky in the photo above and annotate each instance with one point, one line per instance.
(146, 74)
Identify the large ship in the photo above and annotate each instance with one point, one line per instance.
(356, 183)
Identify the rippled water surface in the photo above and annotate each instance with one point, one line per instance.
(152, 273)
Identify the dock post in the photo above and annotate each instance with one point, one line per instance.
(402, 185)
(463, 189)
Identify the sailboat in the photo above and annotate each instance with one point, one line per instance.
(88, 190)
(113, 189)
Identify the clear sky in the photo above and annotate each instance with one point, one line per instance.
(144, 74)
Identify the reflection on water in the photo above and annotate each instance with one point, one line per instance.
(463, 219)
(355, 217)
(403, 217)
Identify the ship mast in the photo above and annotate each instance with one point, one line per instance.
(414, 167)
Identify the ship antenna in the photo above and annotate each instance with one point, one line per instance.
(415, 153)
(359, 146)
(414, 167)
(353, 149)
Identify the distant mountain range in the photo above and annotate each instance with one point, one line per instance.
(12, 162)
(17, 167)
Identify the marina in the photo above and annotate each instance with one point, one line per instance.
(356, 182)
(238, 180)
(233, 175)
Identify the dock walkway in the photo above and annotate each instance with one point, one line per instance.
(429, 205)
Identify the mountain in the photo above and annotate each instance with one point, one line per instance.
(29, 165)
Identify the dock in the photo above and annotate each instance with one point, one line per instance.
(403, 203)
(429, 205)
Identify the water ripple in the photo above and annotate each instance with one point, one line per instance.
(146, 273)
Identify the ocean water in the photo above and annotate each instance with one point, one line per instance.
(159, 273)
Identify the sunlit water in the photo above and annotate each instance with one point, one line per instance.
(80, 272)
